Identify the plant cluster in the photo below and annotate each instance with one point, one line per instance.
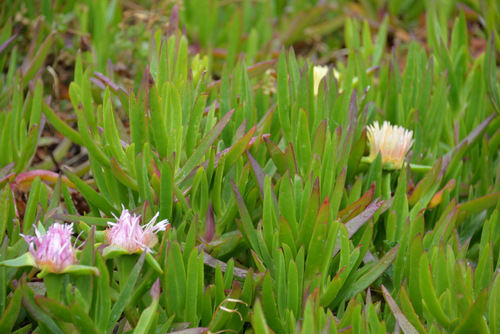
(307, 168)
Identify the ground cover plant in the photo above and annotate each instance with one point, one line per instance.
(249, 166)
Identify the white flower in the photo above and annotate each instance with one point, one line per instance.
(393, 142)
(319, 72)
(126, 233)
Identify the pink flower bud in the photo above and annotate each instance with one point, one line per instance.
(156, 290)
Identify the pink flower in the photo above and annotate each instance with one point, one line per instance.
(54, 251)
(393, 142)
(126, 233)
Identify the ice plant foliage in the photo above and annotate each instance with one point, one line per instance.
(392, 141)
(129, 235)
(319, 73)
(54, 251)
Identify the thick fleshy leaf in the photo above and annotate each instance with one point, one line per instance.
(429, 293)
(126, 293)
(8, 319)
(204, 145)
(405, 325)
(91, 195)
(276, 155)
(369, 277)
(78, 269)
(358, 206)
(473, 321)
(355, 223)
(258, 319)
(81, 319)
(27, 259)
(25, 180)
(36, 311)
(238, 149)
(481, 203)
(112, 251)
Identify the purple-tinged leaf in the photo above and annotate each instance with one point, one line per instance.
(247, 228)
(6, 179)
(290, 160)
(107, 81)
(173, 23)
(8, 43)
(356, 207)
(348, 138)
(6, 170)
(405, 325)
(355, 223)
(473, 136)
(240, 131)
(260, 177)
(209, 223)
(276, 155)
(409, 311)
(122, 94)
(98, 83)
(318, 146)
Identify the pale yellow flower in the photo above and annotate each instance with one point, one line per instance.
(319, 72)
(392, 141)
